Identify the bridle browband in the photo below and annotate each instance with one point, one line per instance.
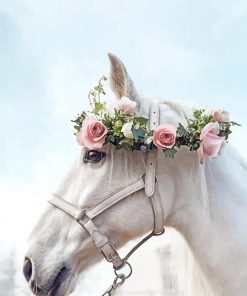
(85, 216)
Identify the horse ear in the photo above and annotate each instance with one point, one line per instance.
(120, 82)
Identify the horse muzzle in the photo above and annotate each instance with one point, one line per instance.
(58, 282)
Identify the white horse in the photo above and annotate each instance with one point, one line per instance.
(206, 203)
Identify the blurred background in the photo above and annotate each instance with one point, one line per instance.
(52, 53)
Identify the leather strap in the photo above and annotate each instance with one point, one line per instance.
(152, 155)
(112, 199)
(102, 242)
(150, 177)
(154, 116)
(158, 212)
(152, 191)
(84, 218)
(77, 213)
(150, 172)
(67, 207)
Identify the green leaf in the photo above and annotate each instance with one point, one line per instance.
(138, 133)
(98, 107)
(77, 127)
(170, 152)
(181, 131)
(99, 88)
(141, 120)
(93, 93)
(234, 123)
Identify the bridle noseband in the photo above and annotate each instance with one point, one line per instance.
(85, 216)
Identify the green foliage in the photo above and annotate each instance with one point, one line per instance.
(98, 107)
(94, 99)
(225, 128)
(141, 120)
(170, 152)
(133, 133)
(190, 136)
(138, 134)
(78, 121)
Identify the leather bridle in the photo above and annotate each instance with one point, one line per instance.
(85, 216)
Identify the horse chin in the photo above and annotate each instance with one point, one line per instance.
(63, 285)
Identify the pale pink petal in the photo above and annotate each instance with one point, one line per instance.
(212, 127)
(127, 106)
(93, 145)
(159, 133)
(212, 144)
(87, 121)
(85, 136)
(169, 146)
(100, 137)
(221, 115)
(158, 144)
(167, 127)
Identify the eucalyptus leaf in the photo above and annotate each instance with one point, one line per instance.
(170, 152)
(138, 133)
(181, 131)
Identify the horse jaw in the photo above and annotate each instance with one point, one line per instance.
(59, 242)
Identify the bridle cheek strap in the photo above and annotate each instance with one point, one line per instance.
(85, 218)
(112, 199)
(150, 176)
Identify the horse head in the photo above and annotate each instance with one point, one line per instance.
(107, 184)
(59, 248)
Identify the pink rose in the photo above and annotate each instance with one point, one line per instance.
(127, 106)
(164, 136)
(221, 115)
(92, 133)
(211, 142)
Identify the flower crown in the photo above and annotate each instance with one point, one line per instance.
(205, 132)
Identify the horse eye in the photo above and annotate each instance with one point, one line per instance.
(94, 156)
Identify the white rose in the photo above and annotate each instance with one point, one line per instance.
(126, 130)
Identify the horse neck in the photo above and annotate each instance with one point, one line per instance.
(207, 204)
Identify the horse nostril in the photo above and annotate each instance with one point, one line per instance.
(27, 269)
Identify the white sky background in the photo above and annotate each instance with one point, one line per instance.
(53, 52)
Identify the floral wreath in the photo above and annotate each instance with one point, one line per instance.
(205, 132)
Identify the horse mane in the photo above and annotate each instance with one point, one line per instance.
(189, 276)
(179, 108)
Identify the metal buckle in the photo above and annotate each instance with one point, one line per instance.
(113, 257)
